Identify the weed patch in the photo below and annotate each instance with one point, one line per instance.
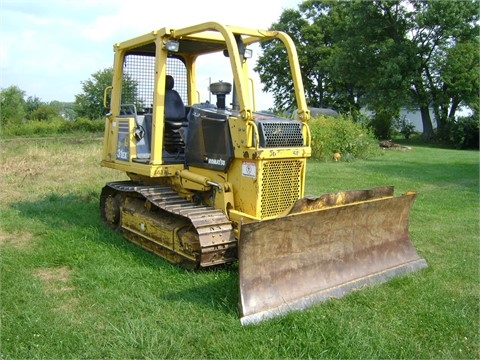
(341, 139)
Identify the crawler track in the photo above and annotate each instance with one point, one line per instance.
(159, 220)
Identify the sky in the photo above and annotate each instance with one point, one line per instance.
(48, 47)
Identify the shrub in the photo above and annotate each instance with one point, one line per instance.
(465, 132)
(382, 124)
(404, 126)
(53, 127)
(341, 135)
(83, 125)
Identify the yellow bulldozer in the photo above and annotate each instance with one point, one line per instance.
(211, 184)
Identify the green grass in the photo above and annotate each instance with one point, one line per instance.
(71, 288)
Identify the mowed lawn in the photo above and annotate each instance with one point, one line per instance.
(71, 288)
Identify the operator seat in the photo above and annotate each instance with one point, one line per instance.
(174, 107)
(174, 118)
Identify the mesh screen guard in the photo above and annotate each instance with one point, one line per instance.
(281, 186)
(139, 80)
(280, 133)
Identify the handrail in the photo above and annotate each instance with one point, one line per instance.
(105, 95)
(254, 105)
(309, 134)
(251, 125)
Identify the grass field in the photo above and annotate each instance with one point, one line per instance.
(71, 288)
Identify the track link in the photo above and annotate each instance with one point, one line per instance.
(158, 219)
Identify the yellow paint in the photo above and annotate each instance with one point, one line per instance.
(261, 182)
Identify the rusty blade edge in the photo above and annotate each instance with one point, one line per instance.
(335, 292)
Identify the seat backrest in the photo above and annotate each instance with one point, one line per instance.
(174, 107)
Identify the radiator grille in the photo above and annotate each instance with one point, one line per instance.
(281, 186)
(280, 133)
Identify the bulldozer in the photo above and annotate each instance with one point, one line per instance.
(216, 183)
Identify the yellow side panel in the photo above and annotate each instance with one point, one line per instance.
(280, 186)
(120, 145)
(120, 151)
(267, 188)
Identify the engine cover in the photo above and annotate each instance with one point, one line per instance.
(209, 143)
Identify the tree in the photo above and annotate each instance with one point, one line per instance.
(445, 35)
(89, 104)
(381, 54)
(370, 58)
(313, 41)
(31, 105)
(12, 106)
(36, 109)
(275, 58)
(65, 109)
(460, 75)
(44, 112)
(348, 53)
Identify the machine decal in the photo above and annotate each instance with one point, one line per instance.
(123, 148)
(217, 162)
(249, 169)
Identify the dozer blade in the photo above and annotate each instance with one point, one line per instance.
(321, 251)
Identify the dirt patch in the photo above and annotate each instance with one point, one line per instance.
(55, 280)
(21, 241)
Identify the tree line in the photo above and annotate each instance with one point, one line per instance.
(381, 55)
(17, 108)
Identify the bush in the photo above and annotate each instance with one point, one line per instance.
(465, 132)
(53, 127)
(404, 126)
(341, 135)
(381, 124)
(83, 125)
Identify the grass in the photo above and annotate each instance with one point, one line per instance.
(71, 288)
